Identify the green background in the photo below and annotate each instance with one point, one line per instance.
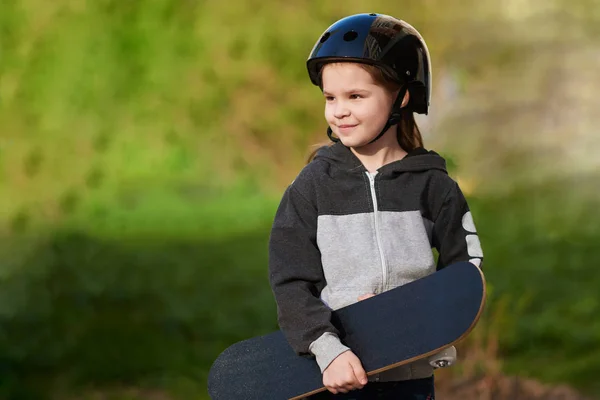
(144, 147)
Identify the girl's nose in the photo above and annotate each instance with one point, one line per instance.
(341, 110)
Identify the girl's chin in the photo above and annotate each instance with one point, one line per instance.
(353, 142)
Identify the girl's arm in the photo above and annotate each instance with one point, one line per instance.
(296, 278)
(454, 233)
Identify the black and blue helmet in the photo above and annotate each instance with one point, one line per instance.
(379, 40)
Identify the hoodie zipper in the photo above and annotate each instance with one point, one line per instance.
(377, 235)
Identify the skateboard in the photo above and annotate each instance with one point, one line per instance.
(421, 319)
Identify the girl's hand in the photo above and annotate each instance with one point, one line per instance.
(345, 373)
(365, 296)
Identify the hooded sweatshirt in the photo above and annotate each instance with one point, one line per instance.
(341, 232)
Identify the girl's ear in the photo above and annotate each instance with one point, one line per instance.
(405, 100)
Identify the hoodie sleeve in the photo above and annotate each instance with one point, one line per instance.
(454, 233)
(296, 278)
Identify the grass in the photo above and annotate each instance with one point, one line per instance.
(150, 309)
(540, 262)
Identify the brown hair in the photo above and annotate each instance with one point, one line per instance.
(408, 133)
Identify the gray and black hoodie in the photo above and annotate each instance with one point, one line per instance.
(341, 232)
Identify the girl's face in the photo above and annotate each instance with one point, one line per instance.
(356, 108)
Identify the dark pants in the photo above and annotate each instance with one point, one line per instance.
(414, 389)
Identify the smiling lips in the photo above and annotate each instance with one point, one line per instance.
(346, 128)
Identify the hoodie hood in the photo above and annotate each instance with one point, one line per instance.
(416, 160)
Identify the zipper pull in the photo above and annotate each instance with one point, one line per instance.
(371, 178)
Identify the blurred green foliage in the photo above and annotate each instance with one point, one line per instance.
(91, 310)
(143, 149)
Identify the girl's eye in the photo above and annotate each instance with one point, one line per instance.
(355, 96)
(329, 98)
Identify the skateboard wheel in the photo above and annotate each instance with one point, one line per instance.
(444, 358)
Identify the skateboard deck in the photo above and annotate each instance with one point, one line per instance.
(396, 327)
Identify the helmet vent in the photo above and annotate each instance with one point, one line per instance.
(325, 37)
(350, 36)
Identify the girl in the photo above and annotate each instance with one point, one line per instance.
(363, 215)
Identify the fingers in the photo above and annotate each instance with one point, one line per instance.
(343, 387)
(359, 372)
(365, 296)
(348, 381)
(344, 374)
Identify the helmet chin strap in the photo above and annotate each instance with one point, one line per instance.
(394, 118)
(329, 135)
